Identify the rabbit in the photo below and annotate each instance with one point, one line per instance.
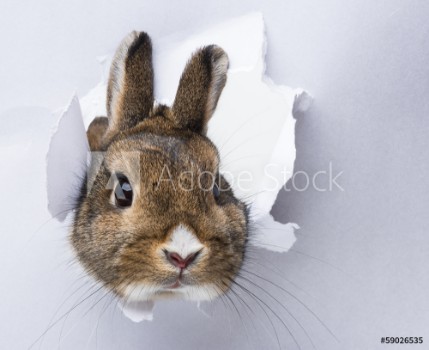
(142, 226)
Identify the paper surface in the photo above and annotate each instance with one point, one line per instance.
(66, 161)
(253, 127)
(138, 311)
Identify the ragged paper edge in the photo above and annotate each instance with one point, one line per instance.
(137, 311)
(66, 160)
(93, 106)
(272, 234)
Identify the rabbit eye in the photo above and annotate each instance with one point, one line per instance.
(216, 191)
(123, 192)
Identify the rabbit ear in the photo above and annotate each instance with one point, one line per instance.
(199, 89)
(95, 133)
(130, 87)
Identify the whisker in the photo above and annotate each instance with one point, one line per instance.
(282, 306)
(65, 301)
(65, 315)
(107, 304)
(252, 138)
(246, 308)
(278, 272)
(240, 317)
(297, 299)
(244, 157)
(308, 256)
(43, 224)
(63, 324)
(106, 293)
(259, 301)
(255, 115)
(322, 261)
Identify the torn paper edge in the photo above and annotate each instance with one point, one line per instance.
(301, 103)
(67, 158)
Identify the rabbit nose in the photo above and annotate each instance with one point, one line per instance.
(180, 262)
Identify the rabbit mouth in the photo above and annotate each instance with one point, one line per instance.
(175, 285)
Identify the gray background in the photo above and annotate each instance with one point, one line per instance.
(362, 255)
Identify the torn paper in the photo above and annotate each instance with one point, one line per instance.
(138, 311)
(66, 161)
(253, 125)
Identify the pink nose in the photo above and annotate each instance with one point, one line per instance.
(180, 262)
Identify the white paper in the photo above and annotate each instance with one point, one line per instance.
(66, 161)
(253, 127)
(138, 311)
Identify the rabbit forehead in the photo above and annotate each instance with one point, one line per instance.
(149, 151)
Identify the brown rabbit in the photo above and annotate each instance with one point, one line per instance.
(157, 219)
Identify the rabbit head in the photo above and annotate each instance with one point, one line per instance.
(155, 218)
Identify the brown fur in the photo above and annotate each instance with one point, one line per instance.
(121, 246)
